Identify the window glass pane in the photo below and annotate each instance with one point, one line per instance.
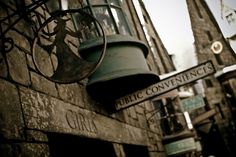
(95, 2)
(120, 21)
(53, 5)
(83, 2)
(103, 17)
(64, 4)
(76, 4)
(115, 2)
(85, 25)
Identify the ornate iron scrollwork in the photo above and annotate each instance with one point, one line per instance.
(7, 43)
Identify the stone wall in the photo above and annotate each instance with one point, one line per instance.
(32, 106)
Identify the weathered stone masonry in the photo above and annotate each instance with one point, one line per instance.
(32, 106)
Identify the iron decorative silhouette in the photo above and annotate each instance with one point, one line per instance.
(56, 47)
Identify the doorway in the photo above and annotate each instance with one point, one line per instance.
(62, 145)
(135, 151)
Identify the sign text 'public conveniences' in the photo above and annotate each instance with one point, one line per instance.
(167, 84)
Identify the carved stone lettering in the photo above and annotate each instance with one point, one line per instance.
(49, 114)
(80, 122)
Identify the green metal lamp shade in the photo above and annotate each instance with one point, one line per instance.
(122, 71)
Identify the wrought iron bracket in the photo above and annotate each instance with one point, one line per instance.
(155, 111)
(7, 43)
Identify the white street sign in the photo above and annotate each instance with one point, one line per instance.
(167, 84)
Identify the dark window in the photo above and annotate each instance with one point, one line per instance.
(209, 35)
(145, 18)
(197, 8)
(208, 83)
(230, 18)
(218, 59)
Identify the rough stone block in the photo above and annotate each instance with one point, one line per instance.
(42, 84)
(18, 67)
(3, 67)
(71, 93)
(24, 150)
(34, 135)
(11, 120)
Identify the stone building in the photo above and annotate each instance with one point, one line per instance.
(158, 49)
(61, 72)
(178, 136)
(216, 127)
